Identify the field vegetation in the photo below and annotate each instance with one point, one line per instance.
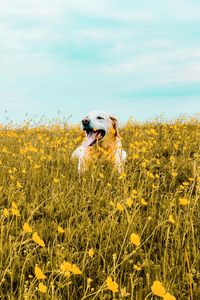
(100, 235)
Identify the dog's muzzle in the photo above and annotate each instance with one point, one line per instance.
(93, 135)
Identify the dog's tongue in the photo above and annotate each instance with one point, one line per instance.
(91, 138)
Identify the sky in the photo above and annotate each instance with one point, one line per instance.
(133, 58)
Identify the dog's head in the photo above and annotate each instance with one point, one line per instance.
(98, 126)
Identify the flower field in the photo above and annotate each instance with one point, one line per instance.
(100, 235)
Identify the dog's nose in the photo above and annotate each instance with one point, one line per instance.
(85, 121)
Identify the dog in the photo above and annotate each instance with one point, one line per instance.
(102, 139)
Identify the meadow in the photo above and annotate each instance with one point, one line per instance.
(102, 235)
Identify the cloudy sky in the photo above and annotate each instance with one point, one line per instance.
(134, 58)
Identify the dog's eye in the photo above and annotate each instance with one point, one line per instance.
(100, 118)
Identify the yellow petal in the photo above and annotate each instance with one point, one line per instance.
(6, 212)
(158, 289)
(171, 219)
(27, 228)
(112, 285)
(137, 268)
(42, 288)
(135, 239)
(14, 205)
(38, 240)
(15, 212)
(60, 229)
(129, 202)
(184, 201)
(91, 252)
(38, 273)
(120, 207)
(168, 296)
(143, 202)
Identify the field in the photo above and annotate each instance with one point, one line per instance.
(102, 235)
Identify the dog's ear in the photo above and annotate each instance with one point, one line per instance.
(115, 125)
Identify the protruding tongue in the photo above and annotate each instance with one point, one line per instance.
(91, 138)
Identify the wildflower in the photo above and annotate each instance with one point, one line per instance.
(171, 219)
(38, 240)
(68, 267)
(39, 274)
(184, 201)
(42, 288)
(137, 268)
(60, 229)
(129, 202)
(112, 203)
(135, 239)
(158, 289)
(14, 205)
(91, 252)
(76, 270)
(27, 228)
(6, 212)
(174, 174)
(123, 175)
(55, 180)
(168, 296)
(37, 166)
(15, 210)
(191, 179)
(144, 202)
(172, 158)
(120, 207)
(112, 285)
(18, 185)
(101, 175)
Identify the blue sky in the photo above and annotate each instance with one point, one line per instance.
(132, 58)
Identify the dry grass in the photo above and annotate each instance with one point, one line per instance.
(39, 185)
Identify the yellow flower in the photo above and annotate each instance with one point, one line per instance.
(27, 228)
(171, 219)
(14, 205)
(6, 212)
(60, 229)
(174, 174)
(184, 201)
(129, 202)
(137, 268)
(112, 285)
(135, 239)
(143, 202)
(15, 212)
(91, 252)
(120, 207)
(123, 175)
(18, 185)
(38, 240)
(68, 267)
(158, 289)
(36, 166)
(168, 296)
(39, 274)
(55, 180)
(76, 270)
(42, 288)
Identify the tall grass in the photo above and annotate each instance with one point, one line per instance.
(156, 198)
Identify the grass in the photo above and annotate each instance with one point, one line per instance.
(156, 198)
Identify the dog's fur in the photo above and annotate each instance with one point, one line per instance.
(101, 139)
